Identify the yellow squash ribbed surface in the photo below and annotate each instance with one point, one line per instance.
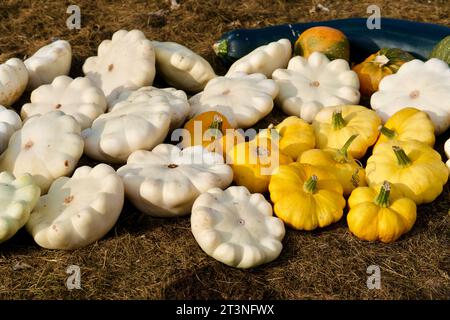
(414, 168)
(333, 126)
(347, 170)
(253, 163)
(295, 136)
(306, 197)
(379, 215)
(408, 124)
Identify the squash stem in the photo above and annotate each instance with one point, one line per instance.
(273, 133)
(382, 200)
(343, 152)
(311, 184)
(337, 120)
(271, 129)
(387, 132)
(221, 48)
(216, 127)
(402, 158)
(381, 59)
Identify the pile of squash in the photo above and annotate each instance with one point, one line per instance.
(309, 165)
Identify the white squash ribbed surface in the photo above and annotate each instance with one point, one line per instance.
(127, 61)
(265, 59)
(49, 62)
(237, 227)
(130, 126)
(181, 67)
(13, 81)
(418, 84)
(176, 99)
(243, 98)
(47, 147)
(308, 85)
(166, 181)
(17, 198)
(78, 98)
(10, 122)
(78, 211)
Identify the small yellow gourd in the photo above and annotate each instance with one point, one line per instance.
(408, 124)
(254, 162)
(333, 126)
(294, 134)
(411, 166)
(306, 197)
(347, 170)
(382, 215)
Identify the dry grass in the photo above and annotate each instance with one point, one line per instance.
(146, 258)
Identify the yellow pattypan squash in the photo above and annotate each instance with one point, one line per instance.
(411, 166)
(347, 170)
(294, 134)
(380, 215)
(306, 197)
(408, 124)
(333, 126)
(254, 162)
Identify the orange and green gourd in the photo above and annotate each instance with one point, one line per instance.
(329, 41)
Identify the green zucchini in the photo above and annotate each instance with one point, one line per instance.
(418, 38)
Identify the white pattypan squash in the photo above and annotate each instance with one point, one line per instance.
(176, 99)
(166, 181)
(243, 99)
(78, 211)
(125, 62)
(308, 85)
(49, 62)
(265, 59)
(47, 147)
(447, 152)
(182, 68)
(78, 97)
(237, 227)
(17, 198)
(13, 81)
(10, 122)
(418, 84)
(130, 126)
